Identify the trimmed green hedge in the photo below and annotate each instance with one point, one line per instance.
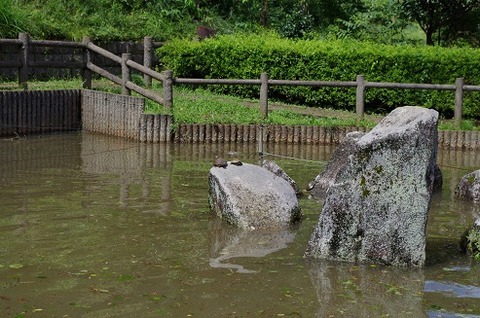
(247, 56)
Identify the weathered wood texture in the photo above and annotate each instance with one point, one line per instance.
(30, 112)
(64, 59)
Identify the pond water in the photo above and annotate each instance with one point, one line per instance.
(96, 226)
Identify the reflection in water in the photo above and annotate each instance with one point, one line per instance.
(229, 242)
(452, 289)
(444, 314)
(96, 226)
(346, 290)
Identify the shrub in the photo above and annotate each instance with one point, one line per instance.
(247, 56)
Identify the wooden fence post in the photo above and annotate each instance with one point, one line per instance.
(264, 95)
(147, 58)
(459, 82)
(125, 73)
(360, 96)
(168, 89)
(23, 71)
(86, 73)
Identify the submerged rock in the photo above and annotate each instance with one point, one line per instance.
(469, 187)
(276, 169)
(318, 187)
(252, 197)
(470, 241)
(376, 211)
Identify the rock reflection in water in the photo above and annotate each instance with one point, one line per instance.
(443, 314)
(229, 242)
(452, 289)
(346, 290)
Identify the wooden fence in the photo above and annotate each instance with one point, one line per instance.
(166, 96)
(25, 55)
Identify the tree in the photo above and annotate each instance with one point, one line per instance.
(379, 21)
(435, 16)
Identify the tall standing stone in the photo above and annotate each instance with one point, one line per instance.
(376, 211)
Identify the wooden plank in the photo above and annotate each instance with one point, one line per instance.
(55, 103)
(53, 43)
(252, 133)
(156, 128)
(10, 64)
(21, 113)
(208, 133)
(13, 113)
(226, 132)
(3, 113)
(30, 109)
(55, 64)
(238, 133)
(163, 128)
(143, 128)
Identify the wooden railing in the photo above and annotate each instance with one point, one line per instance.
(24, 63)
(166, 78)
(360, 84)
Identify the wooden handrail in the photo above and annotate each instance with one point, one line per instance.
(145, 70)
(58, 43)
(104, 52)
(102, 72)
(210, 81)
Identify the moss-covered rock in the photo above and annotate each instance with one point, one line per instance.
(377, 209)
(469, 187)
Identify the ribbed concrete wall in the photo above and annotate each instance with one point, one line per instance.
(202, 133)
(122, 116)
(29, 112)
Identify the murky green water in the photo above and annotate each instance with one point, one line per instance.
(92, 226)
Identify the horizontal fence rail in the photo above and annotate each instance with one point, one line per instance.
(25, 58)
(360, 84)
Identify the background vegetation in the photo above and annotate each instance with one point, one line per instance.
(247, 56)
(441, 22)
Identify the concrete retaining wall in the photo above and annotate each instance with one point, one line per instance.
(27, 112)
(30, 112)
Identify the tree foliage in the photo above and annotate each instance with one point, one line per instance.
(450, 20)
(444, 22)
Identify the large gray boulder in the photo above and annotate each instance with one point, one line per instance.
(318, 188)
(469, 187)
(376, 211)
(252, 197)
